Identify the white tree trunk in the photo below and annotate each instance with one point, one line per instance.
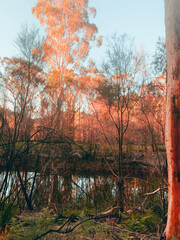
(172, 21)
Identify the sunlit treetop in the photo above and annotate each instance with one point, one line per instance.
(69, 33)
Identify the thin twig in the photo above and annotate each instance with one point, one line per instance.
(157, 190)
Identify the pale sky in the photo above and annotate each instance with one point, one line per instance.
(141, 19)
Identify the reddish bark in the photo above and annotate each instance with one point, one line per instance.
(172, 18)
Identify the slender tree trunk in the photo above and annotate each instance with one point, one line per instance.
(55, 189)
(172, 20)
(28, 200)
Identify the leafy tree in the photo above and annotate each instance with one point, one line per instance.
(20, 80)
(69, 35)
(117, 92)
(159, 58)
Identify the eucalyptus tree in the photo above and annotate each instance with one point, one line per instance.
(69, 37)
(172, 21)
(117, 92)
(159, 57)
(21, 79)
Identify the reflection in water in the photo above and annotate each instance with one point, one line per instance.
(73, 190)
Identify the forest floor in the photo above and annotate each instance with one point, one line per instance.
(31, 225)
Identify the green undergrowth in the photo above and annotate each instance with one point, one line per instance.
(142, 222)
(88, 147)
(29, 225)
(8, 210)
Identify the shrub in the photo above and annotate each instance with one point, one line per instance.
(8, 210)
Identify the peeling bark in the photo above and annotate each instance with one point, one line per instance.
(172, 21)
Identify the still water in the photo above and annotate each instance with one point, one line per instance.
(77, 190)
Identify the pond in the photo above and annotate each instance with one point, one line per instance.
(76, 190)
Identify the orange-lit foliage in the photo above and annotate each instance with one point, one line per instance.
(21, 80)
(69, 35)
(151, 107)
(147, 107)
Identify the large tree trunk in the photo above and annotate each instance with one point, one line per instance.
(172, 20)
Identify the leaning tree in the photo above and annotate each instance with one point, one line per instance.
(172, 21)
